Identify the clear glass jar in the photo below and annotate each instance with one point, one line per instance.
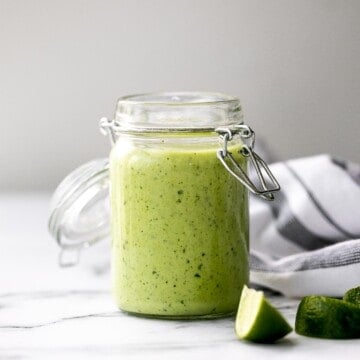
(179, 204)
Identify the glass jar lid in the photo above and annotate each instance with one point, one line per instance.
(80, 210)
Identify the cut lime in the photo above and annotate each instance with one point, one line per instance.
(257, 320)
(353, 296)
(324, 317)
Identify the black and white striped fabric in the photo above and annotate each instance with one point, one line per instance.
(307, 241)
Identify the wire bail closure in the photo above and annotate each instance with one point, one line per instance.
(107, 128)
(265, 190)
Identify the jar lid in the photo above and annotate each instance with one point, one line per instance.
(80, 210)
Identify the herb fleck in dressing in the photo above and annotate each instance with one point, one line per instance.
(179, 231)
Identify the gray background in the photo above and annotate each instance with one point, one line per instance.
(294, 64)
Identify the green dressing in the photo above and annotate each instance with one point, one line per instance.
(179, 231)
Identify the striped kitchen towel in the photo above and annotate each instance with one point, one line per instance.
(307, 241)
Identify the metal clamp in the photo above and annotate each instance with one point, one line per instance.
(247, 135)
(107, 128)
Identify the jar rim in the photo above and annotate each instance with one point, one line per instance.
(184, 111)
(178, 98)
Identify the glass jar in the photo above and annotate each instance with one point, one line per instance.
(179, 204)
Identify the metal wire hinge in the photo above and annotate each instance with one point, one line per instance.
(267, 187)
(107, 127)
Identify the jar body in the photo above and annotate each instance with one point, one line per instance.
(179, 227)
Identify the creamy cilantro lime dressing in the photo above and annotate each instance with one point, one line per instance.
(179, 231)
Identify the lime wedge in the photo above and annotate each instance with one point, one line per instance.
(324, 317)
(353, 296)
(257, 320)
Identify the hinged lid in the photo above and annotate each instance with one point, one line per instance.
(80, 210)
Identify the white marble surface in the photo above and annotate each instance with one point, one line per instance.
(52, 313)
